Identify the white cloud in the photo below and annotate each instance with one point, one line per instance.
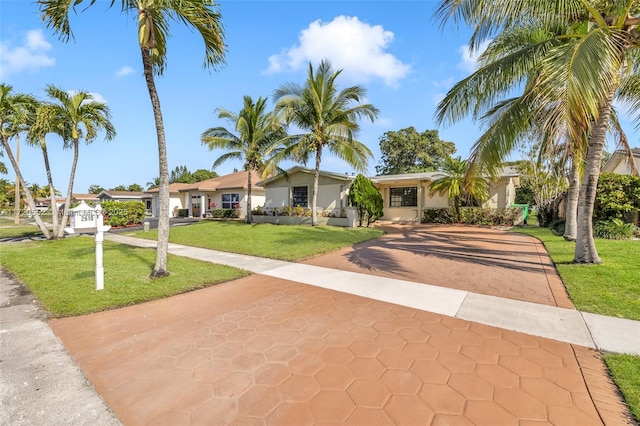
(469, 59)
(124, 70)
(30, 56)
(351, 45)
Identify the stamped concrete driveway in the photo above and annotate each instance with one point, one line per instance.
(479, 260)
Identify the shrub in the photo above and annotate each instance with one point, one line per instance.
(123, 213)
(472, 216)
(617, 195)
(257, 211)
(614, 229)
(557, 226)
(183, 212)
(366, 198)
(299, 211)
(225, 213)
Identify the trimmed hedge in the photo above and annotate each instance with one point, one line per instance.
(225, 213)
(472, 216)
(119, 213)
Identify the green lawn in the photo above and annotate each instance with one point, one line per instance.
(17, 231)
(284, 242)
(611, 288)
(61, 274)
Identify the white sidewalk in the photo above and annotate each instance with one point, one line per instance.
(566, 325)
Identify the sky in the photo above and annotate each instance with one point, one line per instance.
(396, 50)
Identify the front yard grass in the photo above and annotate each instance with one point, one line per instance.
(283, 242)
(610, 288)
(19, 231)
(61, 274)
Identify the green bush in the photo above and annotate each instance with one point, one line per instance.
(225, 213)
(614, 229)
(472, 216)
(617, 195)
(121, 213)
(182, 212)
(366, 198)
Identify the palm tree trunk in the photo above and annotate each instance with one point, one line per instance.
(72, 176)
(160, 268)
(52, 191)
(249, 217)
(586, 251)
(16, 197)
(316, 179)
(27, 193)
(571, 205)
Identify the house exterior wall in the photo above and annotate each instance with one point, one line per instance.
(622, 168)
(411, 213)
(257, 198)
(501, 193)
(332, 193)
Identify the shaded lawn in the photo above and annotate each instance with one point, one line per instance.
(625, 370)
(283, 242)
(19, 231)
(611, 288)
(61, 274)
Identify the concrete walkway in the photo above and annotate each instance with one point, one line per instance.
(566, 325)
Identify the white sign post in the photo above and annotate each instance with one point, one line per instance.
(85, 219)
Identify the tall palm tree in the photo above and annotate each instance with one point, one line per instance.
(15, 110)
(84, 118)
(460, 183)
(153, 30)
(581, 70)
(330, 119)
(257, 131)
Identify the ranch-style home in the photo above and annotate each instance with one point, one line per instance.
(294, 188)
(198, 199)
(405, 196)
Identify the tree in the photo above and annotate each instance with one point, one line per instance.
(15, 112)
(203, 174)
(153, 31)
(181, 175)
(460, 183)
(95, 189)
(407, 151)
(153, 183)
(134, 187)
(330, 119)
(118, 188)
(366, 198)
(256, 132)
(582, 69)
(84, 118)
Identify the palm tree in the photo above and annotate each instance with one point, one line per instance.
(581, 70)
(15, 112)
(153, 30)
(257, 132)
(329, 118)
(84, 118)
(462, 181)
(153, 183)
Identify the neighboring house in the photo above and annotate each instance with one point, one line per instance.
(122, 196)
(295, 187)
(407, 195)
(224, 192)
(619, 162)
(43, 203)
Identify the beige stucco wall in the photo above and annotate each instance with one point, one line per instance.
(501, 193)
(410, 213)
(332, 193)
(622, 168)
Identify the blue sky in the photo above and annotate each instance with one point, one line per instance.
(394, 49)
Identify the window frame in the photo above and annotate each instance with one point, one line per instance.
(230, 204)
(306, 197)
(408, 196)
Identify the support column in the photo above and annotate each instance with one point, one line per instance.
(189, 206)
(99, 257)
(203, 209)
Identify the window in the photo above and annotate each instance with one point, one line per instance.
(300, 196)
(404, 197)
(229, 201)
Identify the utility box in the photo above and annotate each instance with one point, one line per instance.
(525, 212)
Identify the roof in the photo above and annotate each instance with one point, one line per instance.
(237, 180)
(173, 187)
(618, 156)
(504, 172)
(300, 169)
(86, 197)
(134, 195)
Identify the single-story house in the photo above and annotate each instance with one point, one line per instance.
(43, 203)
(224, 192)
(407, 195)
(294, 188)
(619, 162)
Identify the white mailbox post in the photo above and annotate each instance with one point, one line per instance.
(85, 219)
